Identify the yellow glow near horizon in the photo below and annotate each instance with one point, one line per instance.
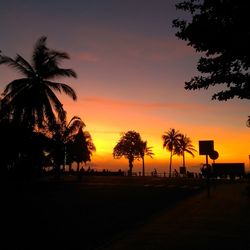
(106, 120)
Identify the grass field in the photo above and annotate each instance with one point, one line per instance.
(86, 214)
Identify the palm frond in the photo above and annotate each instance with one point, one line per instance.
(62, 87)
(25, 64)
(74, 127)
(184, 145)
(56, 104)
(33, 98)
(40, 53)
(14, 64)
(69, 91)
(15, 86)
(41, 42)
(189, 151)
(53, 72)
(58, 55)
(53, 85)
(48, 111)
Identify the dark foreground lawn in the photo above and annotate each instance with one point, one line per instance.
(86, 214)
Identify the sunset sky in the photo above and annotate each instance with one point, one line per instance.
(131, 72)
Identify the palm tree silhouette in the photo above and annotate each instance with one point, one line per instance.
(170, 140)
(62, 135)
(145, 151)
(31, 99)
(184, 144)
(81, 147)
(69, 132)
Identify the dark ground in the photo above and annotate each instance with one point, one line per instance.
(87, 214)
(220, 222)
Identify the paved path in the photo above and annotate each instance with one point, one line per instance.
(219, 222)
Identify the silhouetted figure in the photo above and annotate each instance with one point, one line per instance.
(155, 172)
(176, 173)
(206, 172)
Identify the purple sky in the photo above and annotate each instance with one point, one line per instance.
(131, 72)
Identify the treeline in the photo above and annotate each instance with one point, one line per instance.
(132, 147)
(34, 130)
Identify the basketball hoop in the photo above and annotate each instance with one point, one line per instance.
(248, 122)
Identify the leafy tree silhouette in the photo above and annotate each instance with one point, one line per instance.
(31, 100)
(145, 151)
(29, 104)
(184, 144)
(63, 134)
(220, 30)
(22, 151)
(129, 146)
(170, 141)
(81, 147)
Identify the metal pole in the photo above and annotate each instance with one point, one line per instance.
(208, 177)
(249, 160)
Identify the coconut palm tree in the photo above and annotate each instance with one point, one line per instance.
(145, 151)
(63, 134)
(81, 147)
(184, 144)
(31, 99)
(170, 140)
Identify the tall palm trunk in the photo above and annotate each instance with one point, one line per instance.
(183, 159)
(170, 163)
(143, 167)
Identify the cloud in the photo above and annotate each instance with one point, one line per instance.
(122, 45)
(159, 49)
(147, 105)
(88, 57)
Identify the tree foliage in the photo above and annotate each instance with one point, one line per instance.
(31, 99)
(81, 147)
(129, 146)
(184, 144)
(62, 136)
(220, 30)
(22, 150)
(145, 151)
(31, 115)
(170, 141)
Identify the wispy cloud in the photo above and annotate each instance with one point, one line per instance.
(159, 49)
(87, 57)
(132, 46)
(147, 105)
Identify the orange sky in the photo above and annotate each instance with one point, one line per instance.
(107, 118)
(131, 72)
